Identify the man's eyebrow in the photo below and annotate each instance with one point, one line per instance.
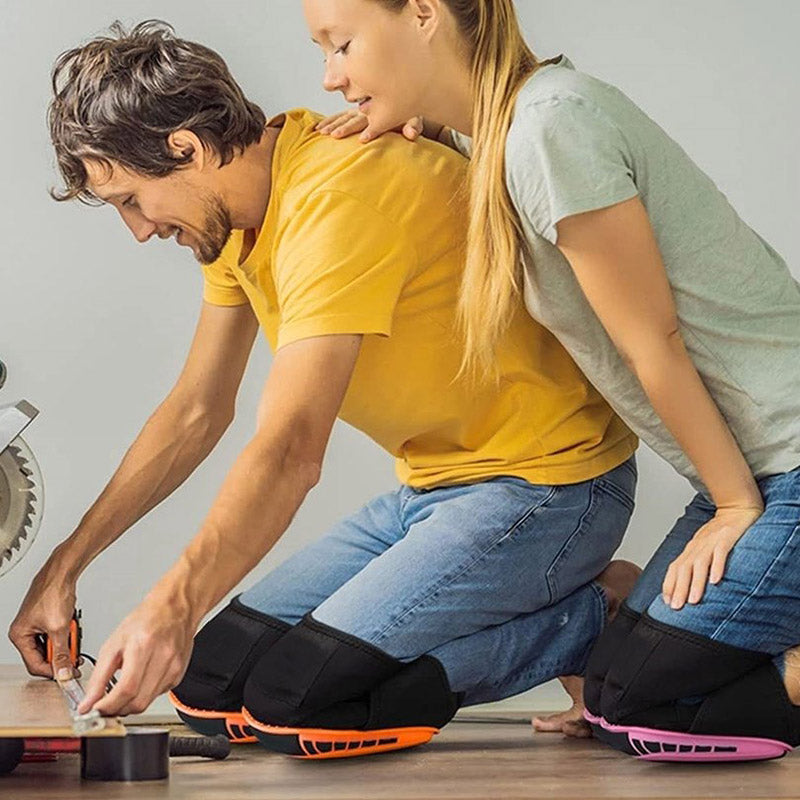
(106, 198)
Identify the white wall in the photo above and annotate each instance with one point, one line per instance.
(94, 327)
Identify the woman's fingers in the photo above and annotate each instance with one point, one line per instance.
(668, 587)
(333, 119)
(413, 129)
(683, 582)
(700, 570)
(342, 125)
(718, 562)
(348, 123)
(348, 127)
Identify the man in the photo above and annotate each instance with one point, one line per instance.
(516, 488)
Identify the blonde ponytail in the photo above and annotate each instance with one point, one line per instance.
(501, 62)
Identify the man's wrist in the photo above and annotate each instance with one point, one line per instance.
(63, 564)
(179, 590)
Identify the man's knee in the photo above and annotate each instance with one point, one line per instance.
(317, 676)
(659, 664)
(224, 651)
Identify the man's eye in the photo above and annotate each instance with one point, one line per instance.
(129, 202)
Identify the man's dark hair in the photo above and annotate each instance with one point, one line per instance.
(120, 96)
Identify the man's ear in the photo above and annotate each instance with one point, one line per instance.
(186, 144)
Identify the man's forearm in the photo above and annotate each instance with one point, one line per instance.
(257, 501)
(173, 442)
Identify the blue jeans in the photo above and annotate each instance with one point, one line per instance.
(493, 579)
(757, 604)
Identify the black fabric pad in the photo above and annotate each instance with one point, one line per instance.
(317, 676)
(606, 648)
(755, 705)
(658, 664)
(224, 652)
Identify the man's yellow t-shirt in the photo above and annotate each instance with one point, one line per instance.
(369, 239)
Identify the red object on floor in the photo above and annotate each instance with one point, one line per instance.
(37, 750)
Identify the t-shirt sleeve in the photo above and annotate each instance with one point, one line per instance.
(340, 268)
(220, 285)
(564, 156)
(462, 142)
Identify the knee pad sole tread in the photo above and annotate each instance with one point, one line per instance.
(652, 744)
(210, 723)
(319, 743)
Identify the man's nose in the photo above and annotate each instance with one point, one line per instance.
(333, 80)
(141, 227)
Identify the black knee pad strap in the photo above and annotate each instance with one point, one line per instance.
(605, 650)
(658, 664)
(225, 649)
(312, 668)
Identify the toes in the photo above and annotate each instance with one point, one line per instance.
(552, 723)
(577, 729)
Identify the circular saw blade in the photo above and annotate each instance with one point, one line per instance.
(21, 501)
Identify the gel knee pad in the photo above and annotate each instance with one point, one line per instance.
(606, 648)
(321, 693)
(659, 664)
(750, 719)
(209, 697)
(644, 707)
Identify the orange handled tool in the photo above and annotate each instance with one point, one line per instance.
(73, 639)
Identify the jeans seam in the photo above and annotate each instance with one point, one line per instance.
(716, 634)
(436, 588)
(615, 492)
(567, 547)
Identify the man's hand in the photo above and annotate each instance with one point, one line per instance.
(704, 557)
(46, 609)
(347, 123)
(151, 647)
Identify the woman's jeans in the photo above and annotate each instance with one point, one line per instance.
(756, 606)
(493, 579)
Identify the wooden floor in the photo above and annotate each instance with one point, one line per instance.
(467, 760)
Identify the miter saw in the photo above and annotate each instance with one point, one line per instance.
(21, 485)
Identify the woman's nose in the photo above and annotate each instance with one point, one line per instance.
(333, 80)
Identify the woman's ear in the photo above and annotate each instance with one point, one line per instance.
(427, 15)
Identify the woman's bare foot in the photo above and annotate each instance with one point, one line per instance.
(617, 580)
(791, 675)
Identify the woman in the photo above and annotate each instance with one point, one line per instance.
(662, 295)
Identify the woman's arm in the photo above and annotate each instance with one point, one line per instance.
(617, 262)
(350, 122)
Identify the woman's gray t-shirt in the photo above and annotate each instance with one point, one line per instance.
(577, 144)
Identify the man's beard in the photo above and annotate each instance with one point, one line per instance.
(216, 231)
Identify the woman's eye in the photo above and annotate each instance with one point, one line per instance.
(343, 49)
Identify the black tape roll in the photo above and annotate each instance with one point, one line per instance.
(141, 755)
(11, 751)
